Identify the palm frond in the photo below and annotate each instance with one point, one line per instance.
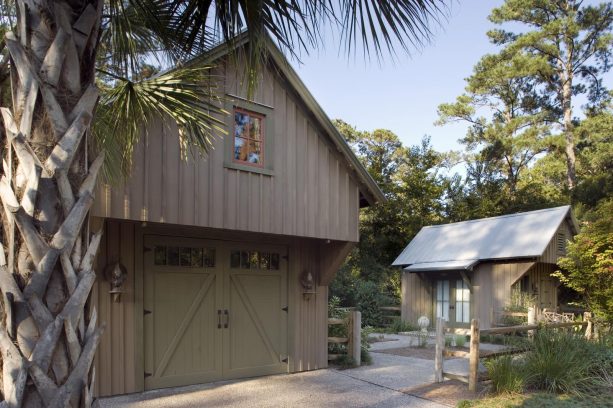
(193, 26)
(188, 97)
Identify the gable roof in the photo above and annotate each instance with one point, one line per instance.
(461, 245)
(369, 191)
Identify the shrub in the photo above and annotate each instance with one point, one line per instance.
(460, 340)
(365, 356)
(448, 340)
(519, 302)
(344, 361)
(506, 375)
(369, 301)
(341, 330)
(562, 362)
(399, 325)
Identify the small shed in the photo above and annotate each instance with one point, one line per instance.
(469, 269)
(218, 267)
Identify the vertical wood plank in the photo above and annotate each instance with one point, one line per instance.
(473, 362)
(438, 351)
(312, 198)
(301, 174)
(155, 172)
(280, 184)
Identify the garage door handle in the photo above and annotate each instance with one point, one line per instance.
(219, 319)
(227, 315)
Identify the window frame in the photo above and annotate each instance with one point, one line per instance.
(267, 148)
(262, 140)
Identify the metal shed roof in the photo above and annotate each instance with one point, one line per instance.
(442, 266)
(522, 235)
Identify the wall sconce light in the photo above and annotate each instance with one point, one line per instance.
(308, 285)
(116, 275)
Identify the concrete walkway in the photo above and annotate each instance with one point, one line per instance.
(377, 385)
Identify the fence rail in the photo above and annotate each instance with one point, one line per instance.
(390, 314)
(475, 338)
(353, 339)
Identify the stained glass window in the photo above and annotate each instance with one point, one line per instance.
(254, 260)
(182, 256)
(248, 137)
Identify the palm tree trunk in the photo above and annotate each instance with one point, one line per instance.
(48, 336)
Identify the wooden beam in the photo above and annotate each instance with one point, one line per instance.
(439, 349)
(467, 281)
(332, 256)
(458, 377)
(473, 363)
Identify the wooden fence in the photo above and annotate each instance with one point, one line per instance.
(390, 314)
(353, 339)
(475, 337)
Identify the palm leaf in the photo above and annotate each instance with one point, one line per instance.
(188, 97)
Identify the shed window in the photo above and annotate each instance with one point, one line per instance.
(248, 137)
(462, 302)
(561, 243)
(442, 299)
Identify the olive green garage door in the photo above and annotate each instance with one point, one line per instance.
(213, 310)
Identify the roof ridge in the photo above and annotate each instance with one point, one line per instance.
(498, 217)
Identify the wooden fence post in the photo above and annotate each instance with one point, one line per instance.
(531, 318)
(473, 363)
(438, 351)
(587, 317)
(355, 337)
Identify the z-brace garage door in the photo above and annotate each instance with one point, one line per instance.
(213, 310)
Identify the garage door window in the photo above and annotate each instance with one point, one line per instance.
(254, 260)
(184, 256)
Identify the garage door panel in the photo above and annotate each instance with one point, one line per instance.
(193, 342)
(257, 311)
(256, 337)
(188, 282)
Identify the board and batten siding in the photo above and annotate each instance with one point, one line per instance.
(552, 253)
(492, 288)
(311, 193)
(544, 286)
(417, 297)
(119, 359)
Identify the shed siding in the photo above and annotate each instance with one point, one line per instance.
(118, 361)
(492, 288)
(115, 363)
(552, 254)
(543, 285)
(312, 193)
(416, 297)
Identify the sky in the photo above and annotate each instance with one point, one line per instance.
(403, 95)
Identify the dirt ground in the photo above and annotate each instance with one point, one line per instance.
(425, 353)
(449, 392)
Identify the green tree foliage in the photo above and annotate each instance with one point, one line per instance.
(595, 157)
(508, 120)
(566, 47)
(411, 181)
(588, 266)
(525, 149)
